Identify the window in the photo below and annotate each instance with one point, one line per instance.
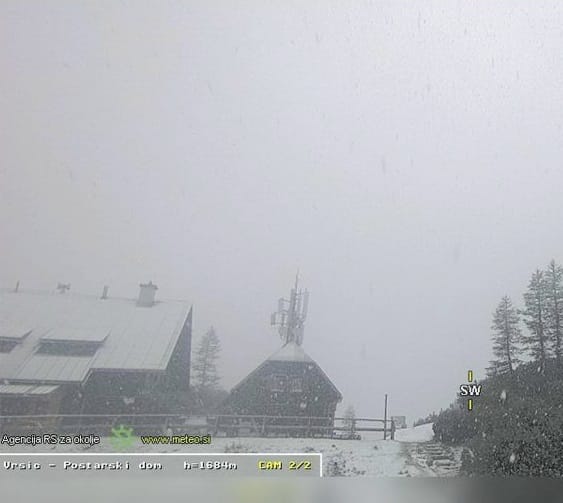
(296, 385)
(9, 342)
(68, 348)
(6, 345)
(279, 383)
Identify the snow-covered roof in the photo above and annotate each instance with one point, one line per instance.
(290, 352)
(129, 337)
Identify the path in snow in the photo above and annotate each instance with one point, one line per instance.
(425, 457)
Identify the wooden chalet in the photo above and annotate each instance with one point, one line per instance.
(288, 383)
(62, 353)
(289, 391)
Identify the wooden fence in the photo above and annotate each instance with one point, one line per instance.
(216, 425)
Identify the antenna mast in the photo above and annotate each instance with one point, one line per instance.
(291, 315)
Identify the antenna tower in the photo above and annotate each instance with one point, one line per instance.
(291, 315)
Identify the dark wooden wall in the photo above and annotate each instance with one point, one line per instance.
(264, 392)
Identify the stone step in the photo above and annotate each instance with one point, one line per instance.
(442, 457)
(443, 463)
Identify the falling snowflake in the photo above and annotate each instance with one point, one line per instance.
(503, 395)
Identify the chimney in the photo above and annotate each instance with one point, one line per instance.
(63, 287)
(147, 294)
(105, 293)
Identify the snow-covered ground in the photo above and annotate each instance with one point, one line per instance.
(411, 454)
(421, 433)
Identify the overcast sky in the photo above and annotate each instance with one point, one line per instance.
(405, 156)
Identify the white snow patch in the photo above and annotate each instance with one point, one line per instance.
(422, 433)
(291, 352)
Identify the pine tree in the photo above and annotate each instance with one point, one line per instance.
(554, 304)
(506, 338)
(350, 418)
(535, 300)
(205, 375)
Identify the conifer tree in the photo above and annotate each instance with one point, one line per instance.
(349, 416)
(554, 308)
(534, 313)
(506, 336)
(205, 374)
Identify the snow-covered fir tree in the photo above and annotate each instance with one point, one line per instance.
(349, 417)
(205, 375)
(554, 308)
(534, 314)
(506, 336)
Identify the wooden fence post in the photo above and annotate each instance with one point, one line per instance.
(385, 420)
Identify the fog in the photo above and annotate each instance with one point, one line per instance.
(406, 160)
